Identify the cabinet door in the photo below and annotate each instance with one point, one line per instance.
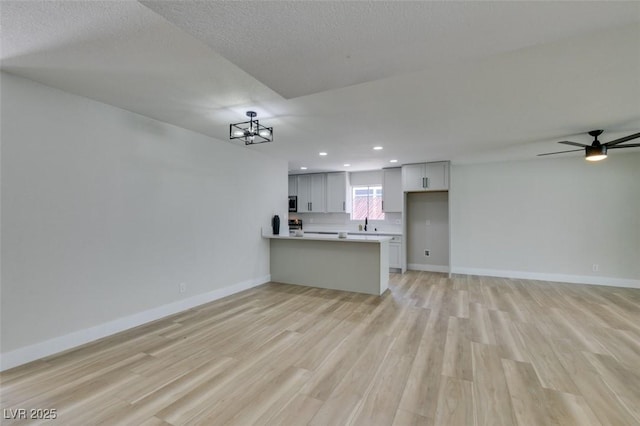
(293, 185)
(336, 192)
(413, 177)
(437, 175)
(394, 255)
(317, 193)
(392, 190)
(304, 193)
(426, 177)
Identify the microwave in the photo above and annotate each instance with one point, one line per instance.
(293, 203)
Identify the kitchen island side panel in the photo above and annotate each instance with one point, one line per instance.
(384, 266)
(358, 267)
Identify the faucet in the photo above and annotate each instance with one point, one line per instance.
(365, 224)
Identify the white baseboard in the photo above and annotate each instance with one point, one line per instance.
(428, 268)
(58, 344)
(564, 278)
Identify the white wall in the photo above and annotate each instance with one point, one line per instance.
(370, 177)
(549, 219)
(105, 212)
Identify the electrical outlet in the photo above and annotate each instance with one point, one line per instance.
(595, 267)
(427, 253)
(182, 287)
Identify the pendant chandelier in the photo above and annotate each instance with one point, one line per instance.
(252, 132)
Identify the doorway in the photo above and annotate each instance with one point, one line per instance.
(428, 231)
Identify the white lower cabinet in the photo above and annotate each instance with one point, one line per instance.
(395, 252)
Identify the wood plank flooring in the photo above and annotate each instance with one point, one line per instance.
(433, 350)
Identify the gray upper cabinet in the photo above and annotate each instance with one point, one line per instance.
(392, 190)
(413, 177)
(311, 193)
(336, 192)
(293, 185)
(425, 177)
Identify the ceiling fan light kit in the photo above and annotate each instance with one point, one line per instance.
(252, 132)
(595, 153)
(598, 151)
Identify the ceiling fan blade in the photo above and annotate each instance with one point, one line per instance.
(560, 152)
(626, 138)
(631, 145)
(573, 143)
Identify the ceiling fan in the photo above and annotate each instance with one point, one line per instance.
(598, 151)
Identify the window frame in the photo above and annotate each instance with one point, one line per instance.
(373, 191)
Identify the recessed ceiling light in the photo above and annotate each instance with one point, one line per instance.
(377, 148)
(303, 168)
(347, 164)
(393, 161)
(323, 154)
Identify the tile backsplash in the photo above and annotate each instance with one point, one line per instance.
(342, 222)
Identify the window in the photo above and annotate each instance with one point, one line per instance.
(367, 202)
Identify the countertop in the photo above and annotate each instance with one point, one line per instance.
(311, 236)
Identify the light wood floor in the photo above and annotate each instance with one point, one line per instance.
(433, 350)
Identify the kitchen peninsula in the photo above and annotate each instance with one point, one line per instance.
(358, 263)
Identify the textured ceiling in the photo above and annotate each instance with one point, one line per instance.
(456, 81)
(300, 48)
